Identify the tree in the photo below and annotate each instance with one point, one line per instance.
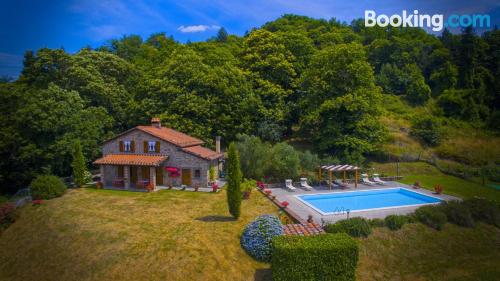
(78, 165)
(234, 178)
(342, 105)
(221, 35)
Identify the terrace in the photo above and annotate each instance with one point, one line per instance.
(300, 208)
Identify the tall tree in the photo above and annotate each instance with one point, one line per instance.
(234, 177)
(78, 165)
(221, 35)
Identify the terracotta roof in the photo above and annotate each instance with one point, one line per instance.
(203, 152)
(171, 135)
(131, 159)
(302, 229)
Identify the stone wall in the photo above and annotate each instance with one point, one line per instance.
(176, 158)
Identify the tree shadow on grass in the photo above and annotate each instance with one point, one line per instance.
(216, 218)
(263, 274)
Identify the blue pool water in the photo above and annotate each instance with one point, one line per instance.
(370, 199)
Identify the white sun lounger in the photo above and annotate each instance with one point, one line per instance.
(304, 184)
(377, 179)
(365, 180)
(289, 186)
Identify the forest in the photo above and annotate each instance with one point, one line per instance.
(323, 84)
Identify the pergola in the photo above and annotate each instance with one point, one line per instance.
(339, 168)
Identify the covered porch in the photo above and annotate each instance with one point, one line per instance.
(132, 172)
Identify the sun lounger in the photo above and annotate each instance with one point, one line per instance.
(339, 183)
(289, 186)
(304, 184)
(377, 179)
(365, 180)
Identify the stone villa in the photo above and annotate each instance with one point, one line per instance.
(155, 156)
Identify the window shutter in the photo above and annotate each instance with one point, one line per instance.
(145, 147)
(121, 146)
(132, 146)
(157, 147)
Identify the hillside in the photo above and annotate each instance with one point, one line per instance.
(352, 93)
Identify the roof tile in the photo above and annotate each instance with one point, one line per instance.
(131, 159)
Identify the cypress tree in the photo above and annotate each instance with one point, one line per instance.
(78, 164)
(233, 181)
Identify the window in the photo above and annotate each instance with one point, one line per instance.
(197, 174)
(127, 146)
(152, 146)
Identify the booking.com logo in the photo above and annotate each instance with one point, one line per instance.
(436, 22)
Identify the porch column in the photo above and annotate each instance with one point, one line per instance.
(355, 178)
(101, 170)
(152, 176)
(126, 176)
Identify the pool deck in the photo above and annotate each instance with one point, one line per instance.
(302, 210)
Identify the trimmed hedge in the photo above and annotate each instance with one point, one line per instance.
(458, 213)
(355, 227)
(395, 222)
(318, 257)
(257, 236)
(432, 216)
(47, 187)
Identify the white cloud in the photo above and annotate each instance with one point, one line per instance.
(196, 28)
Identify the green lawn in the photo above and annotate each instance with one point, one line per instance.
(417, 252)
(429, 176)
(93, 234)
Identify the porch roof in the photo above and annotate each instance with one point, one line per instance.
(131, 159)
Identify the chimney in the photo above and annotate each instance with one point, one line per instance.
(217, 144)
(155, 122)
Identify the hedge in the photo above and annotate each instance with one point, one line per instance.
(355, 227)
(318, 257)
(432, 216)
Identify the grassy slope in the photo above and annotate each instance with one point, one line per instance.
(417, 252)
(111, 235)
(429, 176)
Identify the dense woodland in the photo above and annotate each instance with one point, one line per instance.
(322, 82)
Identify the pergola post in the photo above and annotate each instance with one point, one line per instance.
(319, 175)
(344, 176)
(356, 178)
(330, 182)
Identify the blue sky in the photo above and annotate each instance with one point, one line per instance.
(30, 25)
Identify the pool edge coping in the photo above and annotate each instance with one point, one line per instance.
(365, 210)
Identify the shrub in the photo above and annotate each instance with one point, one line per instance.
(355, 227)
(47, 187)
(7, 215)
(234, 195)
(484, 210)
(431, 216)
(428, 129)
(395, 222)
(376, 223)
(257, 236)
(318, 257)
(458, 213)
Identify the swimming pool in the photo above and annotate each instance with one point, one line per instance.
(355, 201)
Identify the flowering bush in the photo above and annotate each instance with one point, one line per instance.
(215, 186)
(285, 204)
(260, 185)
(258, 235)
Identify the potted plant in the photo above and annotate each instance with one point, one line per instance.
(196, 187)
(149, 187)
(285, 204)
(438, 189)
(417, 185)
(246, 188)
(98, 185)
(267, 192)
